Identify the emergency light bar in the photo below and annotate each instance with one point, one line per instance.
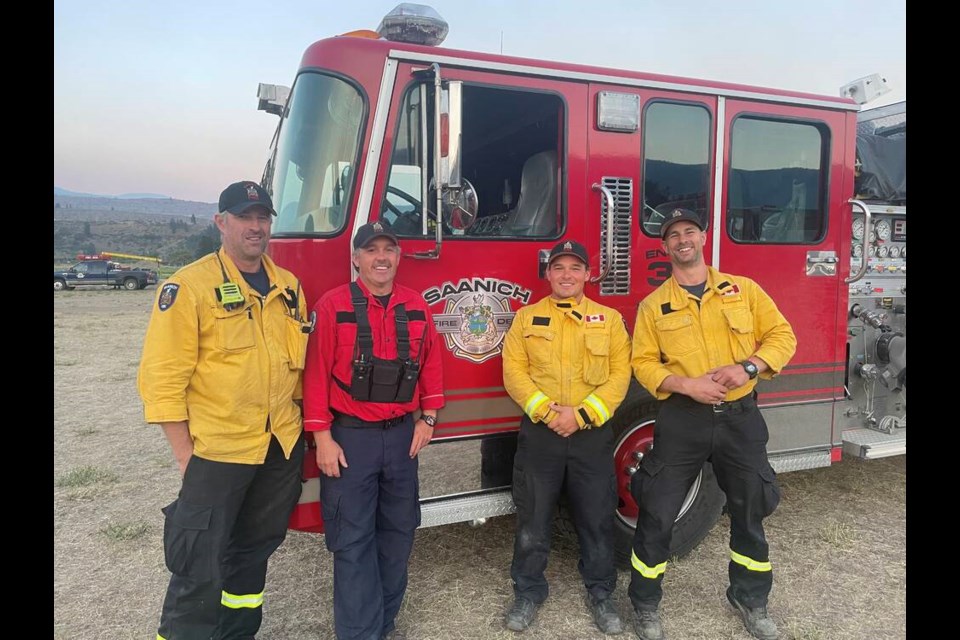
(414, 24)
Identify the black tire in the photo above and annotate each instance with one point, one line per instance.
(59, 284)
(131, 284)
(701, 509)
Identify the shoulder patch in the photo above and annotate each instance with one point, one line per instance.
(168, 295)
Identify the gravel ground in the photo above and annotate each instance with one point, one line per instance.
(837, 540)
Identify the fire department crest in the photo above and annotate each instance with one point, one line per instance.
(476, 315)
(168, 295)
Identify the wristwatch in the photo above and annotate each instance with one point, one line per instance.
(430, 420)
(750, 368)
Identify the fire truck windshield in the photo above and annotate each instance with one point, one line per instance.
(311, 169)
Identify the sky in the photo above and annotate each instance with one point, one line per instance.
(160, 97)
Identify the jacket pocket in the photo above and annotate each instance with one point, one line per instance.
(235, 330)
(187, 544)
(678, 336)
(769, 490)
(539, 346)
(596, 361)
(742, 341)
(296, 343)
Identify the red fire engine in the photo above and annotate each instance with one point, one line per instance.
(482, 162)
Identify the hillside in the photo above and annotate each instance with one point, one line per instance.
(177, 231)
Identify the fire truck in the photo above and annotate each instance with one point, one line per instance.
(482, 162)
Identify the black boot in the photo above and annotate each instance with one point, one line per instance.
(755, 619)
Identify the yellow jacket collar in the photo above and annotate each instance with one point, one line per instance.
(233, 273)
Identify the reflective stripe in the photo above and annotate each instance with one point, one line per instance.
(246, 601)
(160, 637)
(750, 563)
(598, 407)
(533, 403)
(645, 571)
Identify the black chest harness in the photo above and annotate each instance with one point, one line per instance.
(375, 379)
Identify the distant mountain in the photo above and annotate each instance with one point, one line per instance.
(57, 191)
(91, 207)
(144, 196)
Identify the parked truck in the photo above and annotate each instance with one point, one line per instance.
(481, 162)
(97, 272)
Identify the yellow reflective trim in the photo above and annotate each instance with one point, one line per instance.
(750, 563)
(533, 403)
(160, 637)
(245, 601)
(598, 407)
(645, 571)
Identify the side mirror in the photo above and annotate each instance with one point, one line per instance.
(460, 206)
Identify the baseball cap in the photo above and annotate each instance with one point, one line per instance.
(679, 215)
(569, 248)
(370, 231)
(240, 196)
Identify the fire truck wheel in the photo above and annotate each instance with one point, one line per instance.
(700, 510)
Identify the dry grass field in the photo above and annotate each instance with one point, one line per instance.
(838, 539)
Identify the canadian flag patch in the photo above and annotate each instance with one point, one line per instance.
(732, 291)
(597, 317)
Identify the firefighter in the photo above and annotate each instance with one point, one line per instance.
(374, 360)
(566, 362)
(700, 342)
(221, 374)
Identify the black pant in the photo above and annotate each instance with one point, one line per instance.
(218, 534)
(370, 515)
(544, 459)
(734, 438)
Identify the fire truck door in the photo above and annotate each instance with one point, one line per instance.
(523, 161)
(780, 223)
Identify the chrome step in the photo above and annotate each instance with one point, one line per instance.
(465, 509)
(800, 461)
(869, 444)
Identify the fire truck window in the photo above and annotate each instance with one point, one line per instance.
(511, 156)
(776, 191)
(312, 176)
(676, 162)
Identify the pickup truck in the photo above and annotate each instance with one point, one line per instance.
(102, 272)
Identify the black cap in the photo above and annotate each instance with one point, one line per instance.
(240, 196)
(679, 215)
(569, 248)
(370, 231)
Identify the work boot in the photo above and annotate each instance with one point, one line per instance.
(521, 614)
(606, 617)
(647, 624)
(394, 634)
(755, 619)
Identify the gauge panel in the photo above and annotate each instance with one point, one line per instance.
(882, 229)
(857, 229)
